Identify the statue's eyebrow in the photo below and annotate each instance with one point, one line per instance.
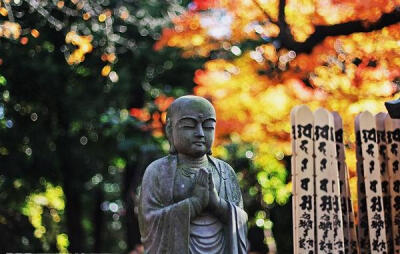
(187, 117)
(196, 119)
(210, 118)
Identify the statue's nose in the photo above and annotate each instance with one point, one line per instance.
(199, 131)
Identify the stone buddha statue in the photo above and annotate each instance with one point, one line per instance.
(190, 202)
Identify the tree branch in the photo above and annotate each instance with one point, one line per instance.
(321, 32)
(264, 12)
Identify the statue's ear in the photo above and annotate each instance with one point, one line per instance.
(168, 132)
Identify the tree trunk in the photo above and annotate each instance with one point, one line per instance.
(73, 211)
(98, 221)
(132, 179)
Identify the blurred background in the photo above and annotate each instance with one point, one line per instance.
(84, 86)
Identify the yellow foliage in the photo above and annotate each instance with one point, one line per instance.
(255, 19)
(62, 243)
(299, 15)
(3, 11)
(254, 93)
(84, 46)
(102, 17)
(10, 30)
(106, 70)
(52, 199)
(193, 33)
(348, 74)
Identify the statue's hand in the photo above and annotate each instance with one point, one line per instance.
(215, 201)
(217, 206)
(200, 195)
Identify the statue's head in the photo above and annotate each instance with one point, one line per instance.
(191, 126)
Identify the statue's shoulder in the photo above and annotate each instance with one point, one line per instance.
(228, 170)
(153, 169)
(222, 163)
(229, 174)
(158, 163)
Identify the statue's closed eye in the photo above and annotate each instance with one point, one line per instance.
(208, 127)
(187, 123)
(209, 124)
(191, 123)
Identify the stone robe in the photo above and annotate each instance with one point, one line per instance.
(165, 225)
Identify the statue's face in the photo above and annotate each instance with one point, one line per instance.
(193, 128)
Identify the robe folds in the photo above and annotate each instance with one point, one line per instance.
(165, 225)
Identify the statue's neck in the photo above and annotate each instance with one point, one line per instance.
(186, 161)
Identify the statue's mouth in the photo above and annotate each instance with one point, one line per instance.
(199, 143)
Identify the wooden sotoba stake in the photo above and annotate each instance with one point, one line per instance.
(293, 173)
(392, 127)
(354, 247)
(372, 179)
(362, 217)
(378, 158)
(349, 230)
(328, 207)
(384, 172)
(323, 188)
(304, 181)
(342, 179)
(338, 237)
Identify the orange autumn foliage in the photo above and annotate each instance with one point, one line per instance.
(258, 106)
(154, 121)
(199, 31)
(254, 91)
(163, 102)
(254, 19)
(140, 114)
